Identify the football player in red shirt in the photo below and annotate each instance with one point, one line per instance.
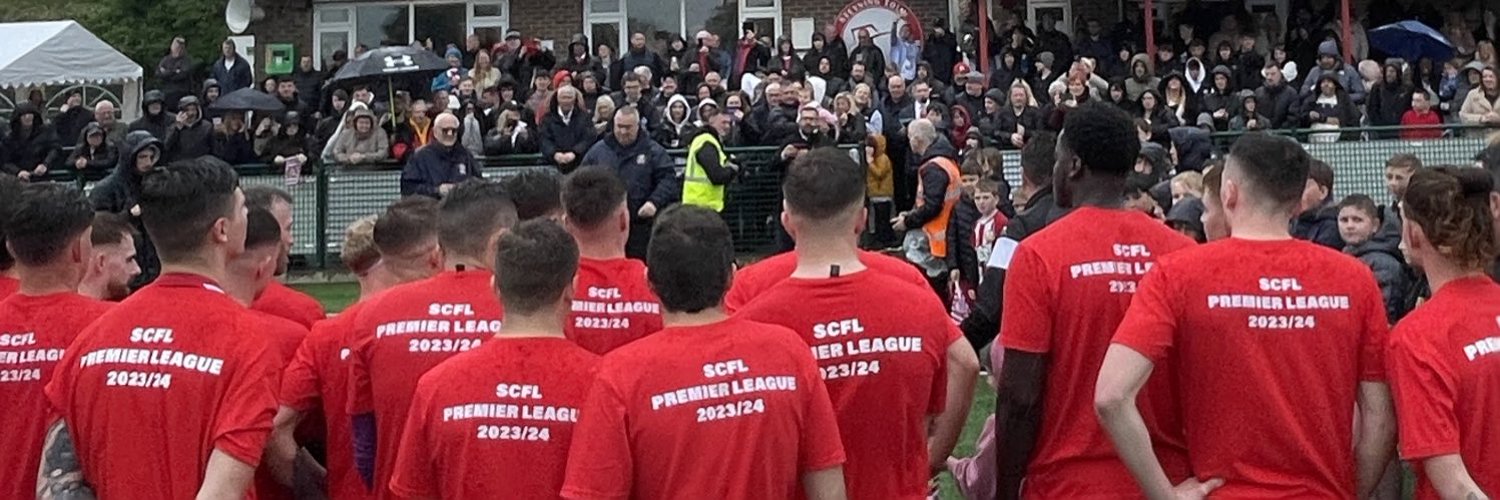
(612, 303)
(112, 265)
(497, 421)
(48, 229)
(409, 329)
(887, 350)
(712, 406)
(248, 275)
(277, 298)
(399, 246)
(1444, 356)
(9, 188)
(170, 394)
(1066, 290)
(1274, 342)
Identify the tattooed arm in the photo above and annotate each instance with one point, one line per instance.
(61, 475)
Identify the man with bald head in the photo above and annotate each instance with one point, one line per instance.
(104, 115)
(437, 167)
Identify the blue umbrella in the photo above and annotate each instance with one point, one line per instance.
(1411, 40)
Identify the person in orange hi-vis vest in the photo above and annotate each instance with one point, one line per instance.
(938, 191)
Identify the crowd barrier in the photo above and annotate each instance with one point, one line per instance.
(329, 198)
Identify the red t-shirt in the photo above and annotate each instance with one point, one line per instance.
(730, 410)
(754, 280)
(285, 336)
(400, 335)
(1445, 374)
(152, 388)
(284, 301)
(1412, 117)
(495, 422)
(9, 286)
(884, 362)
(1271, 340)
(34, 331)
(318, 379)
(612, 305)
(1066, 291)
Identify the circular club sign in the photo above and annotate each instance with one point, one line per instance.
(875, 17)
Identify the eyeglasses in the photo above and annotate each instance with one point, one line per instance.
(447, 130)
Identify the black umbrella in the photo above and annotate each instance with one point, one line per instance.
(388, 63)
(247, 99)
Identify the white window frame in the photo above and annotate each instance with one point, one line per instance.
(350, 28)
(1065, 24)
(772, 12)
(320, 28)
(500, 22)
(590, 18)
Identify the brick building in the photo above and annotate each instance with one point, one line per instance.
(319, 27)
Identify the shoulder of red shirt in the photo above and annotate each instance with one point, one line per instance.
(287, 302)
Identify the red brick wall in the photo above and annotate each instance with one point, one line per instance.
(286, 21)
(556, 20)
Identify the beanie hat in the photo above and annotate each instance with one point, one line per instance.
(1328, 48)
(453, 52)
(960, 68)
(996, 95)
(557, 79)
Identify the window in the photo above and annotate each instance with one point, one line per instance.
(381, 25)
(342, 27)
(441, 23)
(611, 22)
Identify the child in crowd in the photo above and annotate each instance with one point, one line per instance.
(1358, 221)
(987, 196)
(1421, 114)
(963, 262)
(880, 187)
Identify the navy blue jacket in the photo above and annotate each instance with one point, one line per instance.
(238, 75)
(644, 166)
(434, 165)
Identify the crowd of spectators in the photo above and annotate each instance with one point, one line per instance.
(1217, 68)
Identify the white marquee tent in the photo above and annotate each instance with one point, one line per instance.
(38, 54)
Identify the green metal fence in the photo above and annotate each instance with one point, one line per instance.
(329, 199)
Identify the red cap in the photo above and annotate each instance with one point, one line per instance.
(961, 68)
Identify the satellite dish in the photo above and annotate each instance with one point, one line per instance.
(240, 13)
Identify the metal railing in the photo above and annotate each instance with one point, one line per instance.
(330, 198)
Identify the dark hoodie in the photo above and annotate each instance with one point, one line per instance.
(1320, 225)
(1161, 118)
(119, 192)
(578, 59)
(205, 101)
(25, 149)
(101, 158)
(1212, 98)
(155, 124)
(1397, 282)
(1189, 101)
(1388, 100)
(1344, 109)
